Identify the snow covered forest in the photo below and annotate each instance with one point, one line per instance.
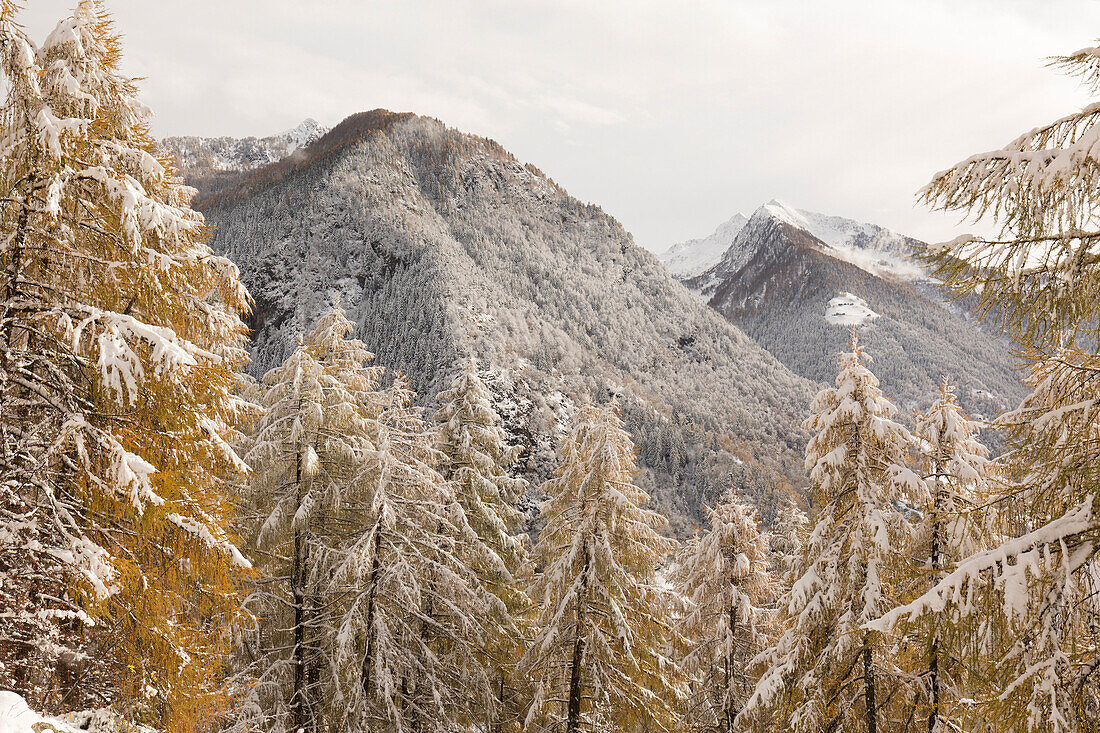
(191, 544)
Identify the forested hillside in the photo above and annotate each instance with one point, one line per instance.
(210, 163)
(441, 245)
(779, 273)
(490, 469)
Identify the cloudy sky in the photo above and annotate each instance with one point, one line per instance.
(672, 115)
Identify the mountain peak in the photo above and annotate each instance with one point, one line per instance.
(785, 213)
(305, 133)
(870, 247)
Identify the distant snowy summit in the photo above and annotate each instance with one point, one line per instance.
(796, 280)
(690, 258)
(870, 247)
(213, 154)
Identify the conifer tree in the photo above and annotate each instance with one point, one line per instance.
(476, 458)
(600, 652)
(953, 466)
(316, 434)
(724, 578)
(408, 640)
(1032, 598)
(826, 672)
(786, 540)
(120, 339)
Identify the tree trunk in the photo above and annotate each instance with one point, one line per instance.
(573, 718)
(368, 658)
(869, 687)
(498, 725)
(730, 670)
(15, 268)
(299, 711)
(937, 569)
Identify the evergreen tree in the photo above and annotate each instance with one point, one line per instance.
(120, 339)
(723, 576)
(600, 652)
(316, 434)
(476, 458)
(1032, 598)
(826, 672)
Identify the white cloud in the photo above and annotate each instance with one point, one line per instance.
(671, 115)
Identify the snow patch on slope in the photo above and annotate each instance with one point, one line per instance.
(848, 310)
(17, 717)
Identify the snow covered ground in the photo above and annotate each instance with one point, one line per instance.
(17, 717)
(848, 310)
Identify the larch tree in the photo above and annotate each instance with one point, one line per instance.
(827, 672)
(786, 540)
(321, 408)
(724, 578)
(476, 459)
(955, 523)
(1033, 597)
(411, 629)
(601, 652)
(120, 341)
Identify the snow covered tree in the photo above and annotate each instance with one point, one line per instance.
(725, 580)
(310, 445)
(408, 640)
(1033, 597)
(476, 458)
(1030, 601)
(120, 339)
(600, 652)
(786, 540)
(827, 672)
(953, 525)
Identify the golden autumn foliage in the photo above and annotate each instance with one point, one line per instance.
(121, 340)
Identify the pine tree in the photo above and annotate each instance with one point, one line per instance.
(320, 406)
(408, 638)
(826, 672)
(1029, 602)
(1032, 598)
(120, 339)
(600, 652)
(724, 577)
(476, 459)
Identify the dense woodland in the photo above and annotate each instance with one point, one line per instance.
(189, 548)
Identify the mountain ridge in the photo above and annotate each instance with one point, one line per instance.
(442, 245)
(869, 246)
(777, 277)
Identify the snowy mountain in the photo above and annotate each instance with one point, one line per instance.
(795, 280)
(867, 246)
(441, 244)
(209, 162)
(692, 257)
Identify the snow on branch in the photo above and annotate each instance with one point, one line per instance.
(1030, 553)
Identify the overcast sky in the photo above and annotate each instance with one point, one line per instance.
(671, 115)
